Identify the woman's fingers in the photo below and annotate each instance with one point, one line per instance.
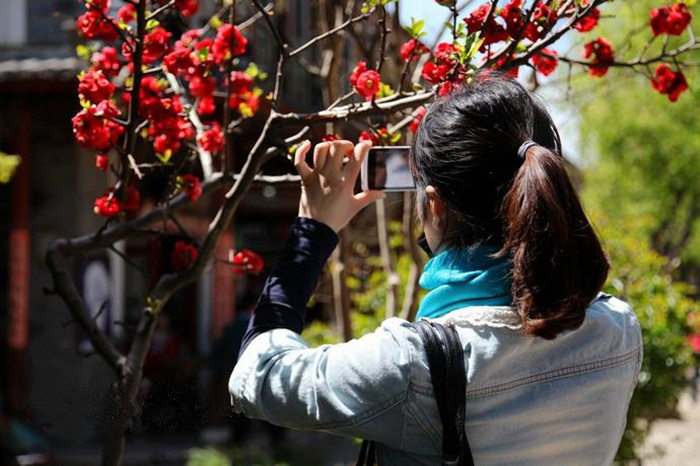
(338, 151)
(352, 169)
(320, 156)
(300, 160)
(365, 198)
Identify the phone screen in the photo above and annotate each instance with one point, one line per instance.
(386, 168)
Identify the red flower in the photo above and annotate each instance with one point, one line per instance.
(330, 137)
(221, 48)
(604, 54)
(94, 87)
(542, 19)
(435, 73)
(183, 256)
(191, 186)
(107, 61)
(155, 44)
(240, 82)
(589, 21)
(491, 32)
(92, 25)
(678, 19)
(106, 206)
(658, 20)
(545, 64)
(212, 140)
(411, 49)
(93, 127)
(445, 53)
(666, 81)
(102, 162)
(417, 118)
(367, 136)
(368, 84)
(187, 7)
(127, 13)
(178, 60)
(512, 14)
(132, 199)
(247, 261)
(206, 106)
(202, 87)
(188, 38)
(360, 68)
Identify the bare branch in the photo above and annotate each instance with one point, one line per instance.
(256, 17)
(160, 10)
(330, 32)
(280, 43)
(65, 287)
(355, 111)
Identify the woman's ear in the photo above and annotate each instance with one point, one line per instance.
(436, 205)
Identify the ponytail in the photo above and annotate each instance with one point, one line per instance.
(558, 262)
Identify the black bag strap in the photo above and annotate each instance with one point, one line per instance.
(446, 362)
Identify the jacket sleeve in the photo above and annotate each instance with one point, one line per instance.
(358, 388)
(282, 303)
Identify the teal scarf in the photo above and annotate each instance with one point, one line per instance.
(457, 278)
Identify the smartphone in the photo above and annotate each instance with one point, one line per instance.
(386, 169)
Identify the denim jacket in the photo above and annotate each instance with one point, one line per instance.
(529, 400)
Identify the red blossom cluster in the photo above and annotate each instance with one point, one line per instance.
(107, 205)
(167, 126)
(183, 256)
(94, 127)
(94, 87)
(212, 140)
(190, 185)
(545, 62)
(671, 20)
(247, 261)
(601, 51)
(669, 82)
(366, 82)
(411, 50)
(446, 69)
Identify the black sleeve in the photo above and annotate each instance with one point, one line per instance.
(288, 288)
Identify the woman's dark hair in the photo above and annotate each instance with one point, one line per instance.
(467, 148)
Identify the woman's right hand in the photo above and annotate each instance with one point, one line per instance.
(327, 190)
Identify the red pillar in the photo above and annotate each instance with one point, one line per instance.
(223, 300)
(19, 270)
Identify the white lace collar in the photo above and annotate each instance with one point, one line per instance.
(484, 316)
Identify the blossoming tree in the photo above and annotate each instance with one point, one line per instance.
(152, 98)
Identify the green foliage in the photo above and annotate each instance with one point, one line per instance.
(644, 278)
(254, 456)
(416, 29)
(8, 166)
(643, 157)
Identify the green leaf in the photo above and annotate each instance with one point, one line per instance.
(83, 52)
(8, 166)
(151, 24)
(215, 22)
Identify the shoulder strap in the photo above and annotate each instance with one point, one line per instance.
(446, 361)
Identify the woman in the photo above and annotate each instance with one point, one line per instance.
(551, 363)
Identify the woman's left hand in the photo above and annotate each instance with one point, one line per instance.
(327, 190)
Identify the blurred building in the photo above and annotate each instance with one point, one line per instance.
(49, 381)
